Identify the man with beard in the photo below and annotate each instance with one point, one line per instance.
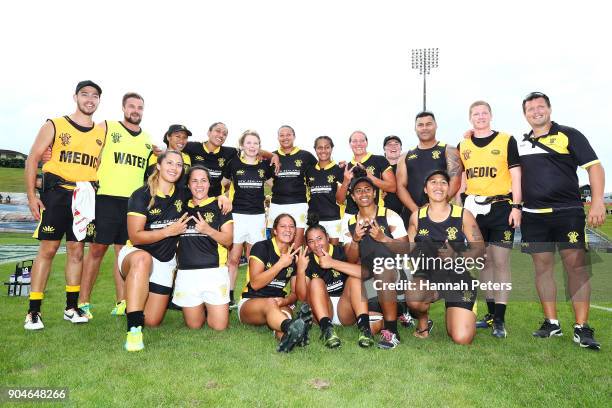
(76, 144)
(429, 155)
(122, 165)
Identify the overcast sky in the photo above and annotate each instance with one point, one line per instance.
(324, 67)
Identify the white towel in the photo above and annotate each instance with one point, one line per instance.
(475, 208)
(83, 208)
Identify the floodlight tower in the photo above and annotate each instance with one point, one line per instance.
(424, 59)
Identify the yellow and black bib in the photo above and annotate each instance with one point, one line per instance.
(75, 151)
(123, 161)
(486, 168)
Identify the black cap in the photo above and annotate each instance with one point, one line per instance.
(83, 84)
(392, 137)
(176, 128)
(440, 172)
(359, 180)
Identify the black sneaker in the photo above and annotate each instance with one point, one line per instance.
(365, 338)
(548, 330)
(499, 329)
(232, 305)
(486, 321)
(305, 314)
(583, 336)
(293, 336)
(330, 338)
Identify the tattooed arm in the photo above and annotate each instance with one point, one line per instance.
(454, 169)
(473, 235)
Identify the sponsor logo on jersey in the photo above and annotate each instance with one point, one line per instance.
(495, 152)
(154, 211)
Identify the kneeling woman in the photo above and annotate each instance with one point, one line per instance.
(271, 268)
(447, 233)
(332, 287)
(146, 262)
(202, 281)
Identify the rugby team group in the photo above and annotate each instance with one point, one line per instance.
(180, 219)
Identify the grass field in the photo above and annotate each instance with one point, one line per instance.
(240, 367)
(11, 180)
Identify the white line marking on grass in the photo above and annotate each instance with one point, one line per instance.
(607, 309)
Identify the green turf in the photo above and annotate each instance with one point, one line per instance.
(240, 367)
(11, 180)
(17, 238)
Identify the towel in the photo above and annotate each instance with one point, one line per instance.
(471, 203)
(83, 208)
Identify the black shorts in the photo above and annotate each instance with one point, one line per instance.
(56, 219)
(461, 292)
(543, 232)
(110, 225)
(494, 226)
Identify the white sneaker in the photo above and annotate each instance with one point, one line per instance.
(33, 321)
(75, 316)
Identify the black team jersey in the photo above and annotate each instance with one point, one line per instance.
(549, 164)
(215, 161)
(419, 164)
(289, 184)
(334, 280)
(392, 202)
(199, 251)
(376, 165)
(322, 186)
(268, 253)
(368, 247)
(165, 211)
(247, 185)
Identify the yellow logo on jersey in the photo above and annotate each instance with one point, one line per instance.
(412, 156)
(298, 163)
(424, 232)
(48, 229)
(467, 296)
(179, 205)
(507, 235)
(208, 217)
(91, 230)
(240, 172)
(116, 136)
(65, 138)
(335, 273)
(315, 275)
(370, 169)
(268, 265)
(289, 271)
(331, 178)
(573, 237)
(154, 211)
(199, 158)
(382, 228)
(495, 152)
(221, 161)
(452, 232)
(262, 173)
(435, 154)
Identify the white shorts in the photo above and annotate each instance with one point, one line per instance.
(162, 272)
(334, 301)
(333, 227)
(196, 286)
(249, 228)
(298, 211)
(344, 226)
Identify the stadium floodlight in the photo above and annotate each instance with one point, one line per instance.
(425, 59)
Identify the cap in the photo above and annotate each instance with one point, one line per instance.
(392, 137)
(176, 128)
(83, 84)
(359, 180)
(440, 172)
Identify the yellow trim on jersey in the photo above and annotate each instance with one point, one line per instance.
(292, 152)
(558, 142)
(209, 200)
(441, 144)
(423, 211)
(381, 212)
(329, 166)
(275, 245)
(456, 211)
(221, 254)
(208, 151)
(232, 191)
(387, 169)
(257, 259)
(250, 164)
(364, 158)
(330, 251)
(353, 219)
(136, 214)
(589, 164)
(159, 193)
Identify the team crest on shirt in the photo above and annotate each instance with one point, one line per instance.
(91, 230)
(370, 169)
(573, 237)
(199, 158)
(65, 138)
(179, 205)
(209, 217)
(311, 179)
(221, 161)
(289, 271)
(154, 211)
(507, 235)
(298, 163)
(412, 156)
(268, 265)
(239, 172)
(331, 178)
(452, 232)
(335, 273)
(435, 154)
(423, 232)
(261, 173)
(466, 154)
(116, 137)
